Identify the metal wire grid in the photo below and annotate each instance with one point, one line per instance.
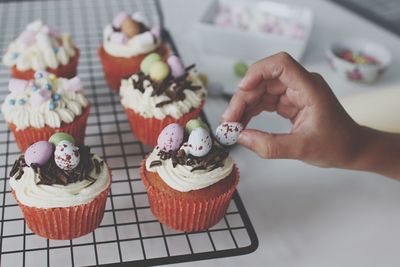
(129, 232)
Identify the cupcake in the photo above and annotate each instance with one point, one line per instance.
(159, 94)
(126, 41)
(40, 48)
(189, 177)
(61, 187)
(36, 109)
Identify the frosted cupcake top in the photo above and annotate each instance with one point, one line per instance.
(162, 89)
(191, 160)
(128, 36)
(46, 100)
(58, 173)
(39, 47)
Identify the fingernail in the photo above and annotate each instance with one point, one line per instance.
(244, 139)
(225, 114)
(243, 81)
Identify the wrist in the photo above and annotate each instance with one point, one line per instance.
(377, 152)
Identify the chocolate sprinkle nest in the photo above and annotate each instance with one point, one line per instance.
(50, 173)
(170, 86)
(213, 160)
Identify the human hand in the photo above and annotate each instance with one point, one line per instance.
(322, 132)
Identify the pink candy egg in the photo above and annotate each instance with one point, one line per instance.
(119, 18)
(17, 86)
(176, 65)
(27, 38)
(170, 138)
(118, 38)
(66, 155)
(199, 142)
(39, 153)
(40, 97)
(228, 132)
(74, 84)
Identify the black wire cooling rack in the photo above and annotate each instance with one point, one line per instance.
(129, 233)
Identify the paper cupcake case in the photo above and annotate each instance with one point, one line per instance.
(24, 138)
(117, 68)
(187, 215)
(147, 130)
(66, 71)
(67, 222)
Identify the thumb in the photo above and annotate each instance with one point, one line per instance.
(269, 146)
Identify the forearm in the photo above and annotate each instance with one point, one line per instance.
(379, 152)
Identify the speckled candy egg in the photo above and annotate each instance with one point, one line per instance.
(66, 155)
(38, 153)
(228, 132)
(199, 142)
(170, 138)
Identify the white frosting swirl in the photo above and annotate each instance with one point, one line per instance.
(53, 196)
(17, 108)
(44, 49)
(182, 179)
(145, 103)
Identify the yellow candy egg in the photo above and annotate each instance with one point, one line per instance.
(158, 71)
(52, 77)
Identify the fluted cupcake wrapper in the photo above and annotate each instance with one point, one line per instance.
(184, 214)
(147, 130)
(26, 137)
(64, 71)
(65, 222)
(117, 68)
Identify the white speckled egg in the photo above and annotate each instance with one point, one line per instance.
(199, 142)
(66, 155)
(228, 132)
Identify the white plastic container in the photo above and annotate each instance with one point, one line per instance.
(249, 44)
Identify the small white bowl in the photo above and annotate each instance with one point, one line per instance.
(359, 72)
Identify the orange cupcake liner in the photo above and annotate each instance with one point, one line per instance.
(147, 130)
(184, 214)
(66, 71)
(26, 137)
(67, 222)
(117, 68)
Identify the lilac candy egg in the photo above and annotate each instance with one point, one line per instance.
(66, 155)
(38, 153)
(170, 138)
(199, 142)
(40, 97)
(176, 65)
(228, 132)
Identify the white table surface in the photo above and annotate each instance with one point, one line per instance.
(304, 215)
